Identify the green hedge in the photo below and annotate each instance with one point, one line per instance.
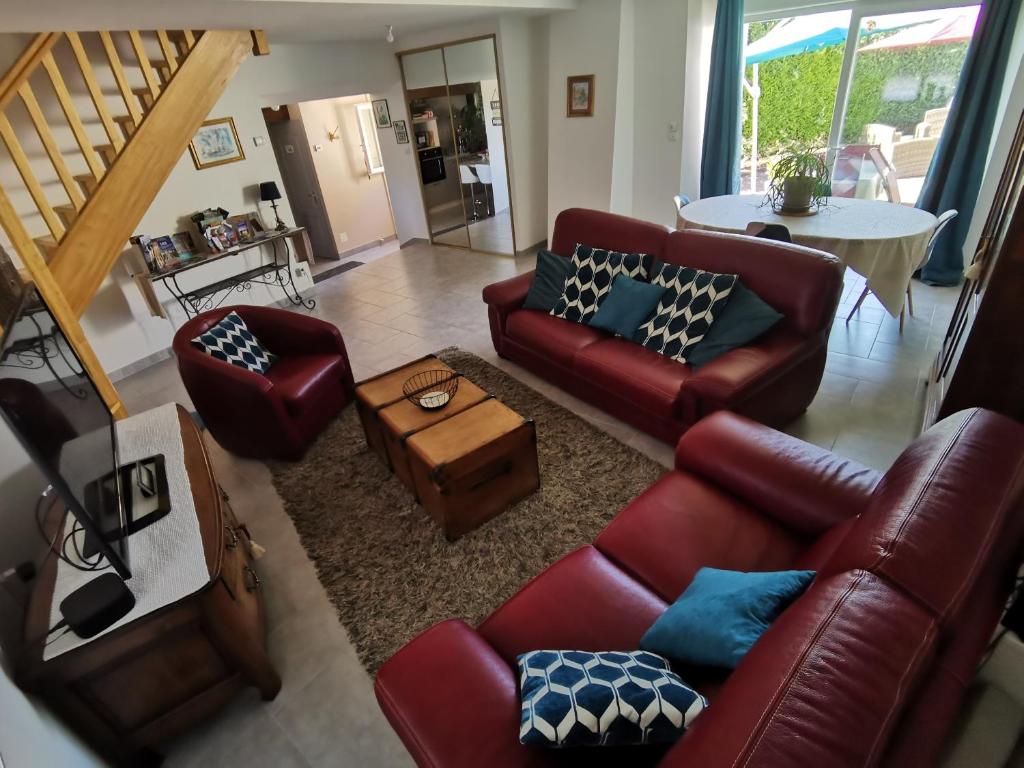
(798, 93)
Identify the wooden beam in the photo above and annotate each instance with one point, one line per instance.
(143, 58)
(95, 92)
(35, 113)
(25, 65)
(35, 189)
(33, 261)
(260, 44)
(95, 243)
(67, 104)
(130, 102)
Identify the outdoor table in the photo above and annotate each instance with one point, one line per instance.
(883, 242)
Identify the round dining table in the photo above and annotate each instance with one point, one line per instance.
(883, 242)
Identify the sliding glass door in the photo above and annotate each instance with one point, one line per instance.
(870, 91)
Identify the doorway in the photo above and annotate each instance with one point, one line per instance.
(331, 163)
(455, 108)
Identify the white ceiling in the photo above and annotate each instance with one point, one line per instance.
(283, 20)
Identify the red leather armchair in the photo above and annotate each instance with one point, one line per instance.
(867, 668)
(276, 415)
(772, 380)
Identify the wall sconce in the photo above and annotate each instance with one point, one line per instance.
(335, 134)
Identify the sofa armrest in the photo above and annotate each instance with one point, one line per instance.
(453, 701)
(804, 487)
(508, 294)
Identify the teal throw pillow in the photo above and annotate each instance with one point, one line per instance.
(548, 281)
(628, 304)
(722, 614)
(745, 318)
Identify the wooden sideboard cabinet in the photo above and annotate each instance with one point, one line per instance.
(127, 691)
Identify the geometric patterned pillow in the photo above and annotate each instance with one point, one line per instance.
(231, 341)
(595, 269)
(579, 698)
(693, 299)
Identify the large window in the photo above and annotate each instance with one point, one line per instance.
(870, 92)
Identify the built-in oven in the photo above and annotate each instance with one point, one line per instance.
(432, 165)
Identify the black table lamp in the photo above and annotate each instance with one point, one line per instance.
(269, 193)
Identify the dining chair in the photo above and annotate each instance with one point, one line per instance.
(940, 224)
(680, 201)
(483, 172)
(779, 232)
(468, 176)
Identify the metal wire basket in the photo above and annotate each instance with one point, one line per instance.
(431, 390)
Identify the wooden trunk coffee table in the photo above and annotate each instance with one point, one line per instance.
(465, 463)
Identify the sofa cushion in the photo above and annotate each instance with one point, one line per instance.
(583, 602)
(651, 381)
(683, 523)
(607, 698)
(746, 317)
(231, 341)
(720, 616)
(299, 380)
(552, 337)
(692, 300)
(628, 304)
(595, 271)
(548, 281)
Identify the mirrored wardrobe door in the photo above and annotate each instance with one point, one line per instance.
(473, 89)
(433, 135)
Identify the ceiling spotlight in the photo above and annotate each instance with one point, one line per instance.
(389, 33)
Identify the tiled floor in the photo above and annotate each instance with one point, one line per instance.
(417, 300)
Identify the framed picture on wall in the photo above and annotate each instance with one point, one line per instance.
(216, 143)
(381, 113)
(579, 96)
(401, 132)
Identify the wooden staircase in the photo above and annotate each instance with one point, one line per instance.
(161, 86)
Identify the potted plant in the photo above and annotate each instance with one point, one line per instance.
(799, 181)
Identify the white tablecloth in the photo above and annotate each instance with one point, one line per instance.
(884, 242)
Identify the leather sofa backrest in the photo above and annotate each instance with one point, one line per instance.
(801, 283)
(182, 343)
(600, 229)
(824, 686)
(950, 500)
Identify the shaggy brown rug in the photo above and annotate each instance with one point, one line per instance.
(385, 564)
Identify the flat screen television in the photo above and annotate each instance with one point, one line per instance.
(54, 409)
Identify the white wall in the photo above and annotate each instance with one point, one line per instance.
(580, 149)
(523, 57)
(625, 112)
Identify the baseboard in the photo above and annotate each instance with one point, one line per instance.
(367, 246)
(140, 365)
(529, 251)
(414, 241)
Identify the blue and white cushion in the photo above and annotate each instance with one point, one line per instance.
(231, 341)
(691, 302)
(594, 271)
(579, 698)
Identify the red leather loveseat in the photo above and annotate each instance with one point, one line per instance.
(772, 381)
(866, 668)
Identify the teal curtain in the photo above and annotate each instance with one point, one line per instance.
(958, 165)
(720, 159)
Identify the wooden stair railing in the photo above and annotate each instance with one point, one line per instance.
(166, 83)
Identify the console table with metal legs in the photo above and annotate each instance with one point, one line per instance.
(276, 273)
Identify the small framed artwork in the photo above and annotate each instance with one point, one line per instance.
(381, 113)
(401, 132)
(216, 143)
(579, 96)
(495, 113)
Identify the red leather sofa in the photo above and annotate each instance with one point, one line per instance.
(275, 415)
(867, 668)
(772, 381)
